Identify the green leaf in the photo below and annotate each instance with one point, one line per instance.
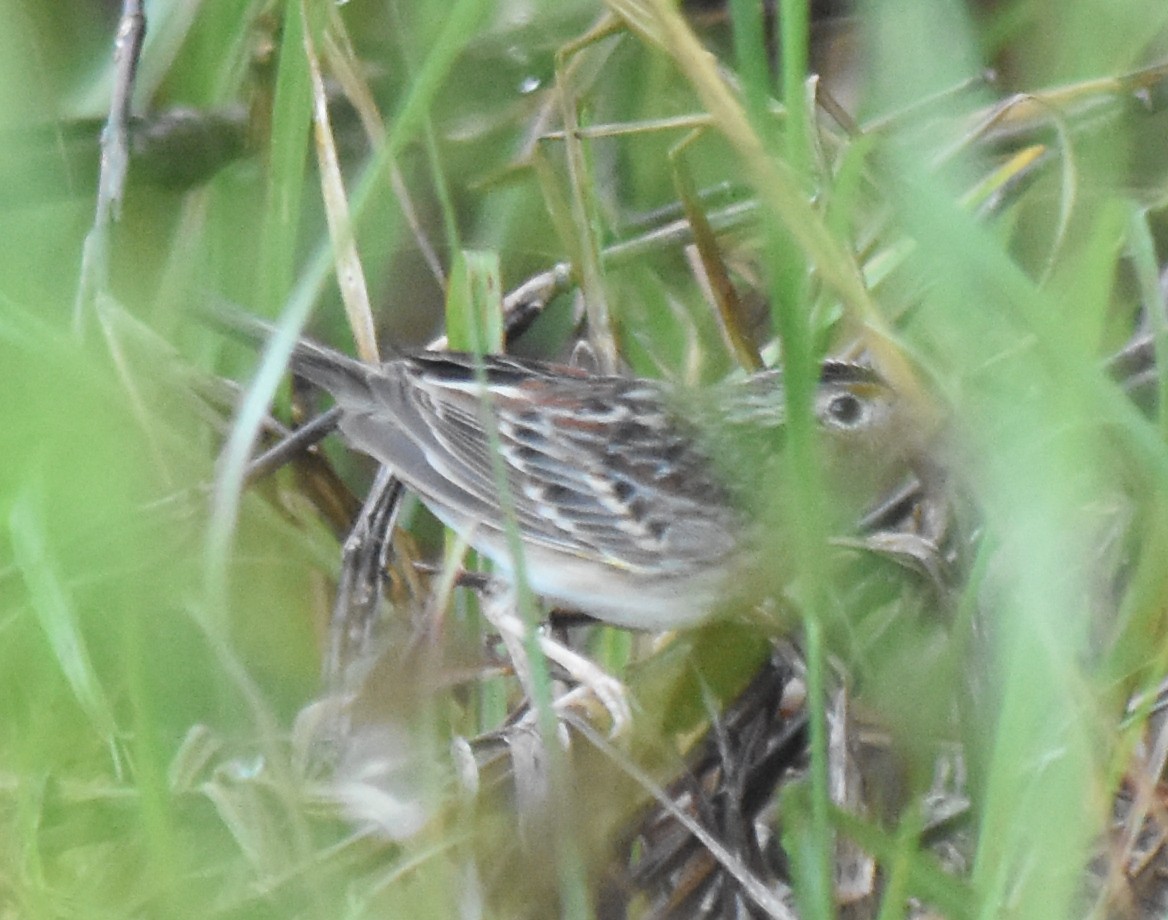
(474, 303)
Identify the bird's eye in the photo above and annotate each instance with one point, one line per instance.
(845, 410)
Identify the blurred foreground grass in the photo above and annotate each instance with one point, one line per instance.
(155, 718)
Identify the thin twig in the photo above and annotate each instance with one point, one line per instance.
(115, 158)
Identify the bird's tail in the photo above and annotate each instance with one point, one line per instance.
(345, 378)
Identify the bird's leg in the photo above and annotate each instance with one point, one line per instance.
(593, 683)
(358, 604)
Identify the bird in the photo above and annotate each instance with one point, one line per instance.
(636, 501)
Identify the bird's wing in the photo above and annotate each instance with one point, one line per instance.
(599, 467)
